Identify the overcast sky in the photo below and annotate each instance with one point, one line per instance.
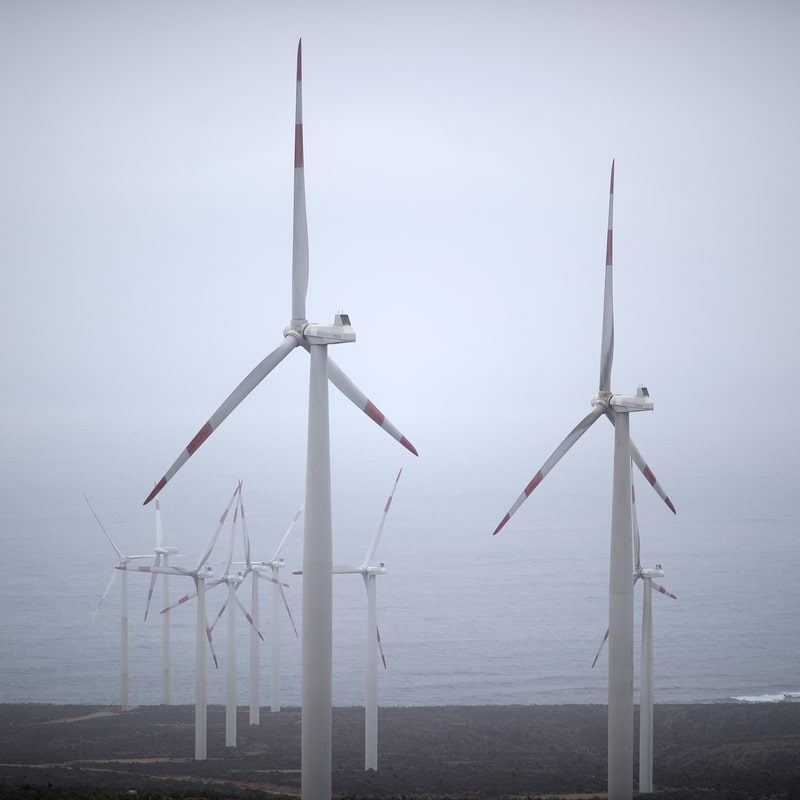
(457, 164)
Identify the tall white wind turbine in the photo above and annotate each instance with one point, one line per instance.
(317, 558)
(259, 572)
(369, 572)
(162, 554)
(199, 574)
(646, 575)
(616, 408)
(124, 559)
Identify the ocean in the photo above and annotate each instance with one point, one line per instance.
(465, 617)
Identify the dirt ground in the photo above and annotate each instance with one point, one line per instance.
(709, 751)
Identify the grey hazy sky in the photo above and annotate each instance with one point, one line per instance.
(457, 161)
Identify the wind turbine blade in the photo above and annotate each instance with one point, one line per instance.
(600, 649)
(232, 539)
(257, 374)
(648, 474)
(373, 545)
(103, 597)
(213, 540)
(341, 569)
(288, 531)
(180, 602)
(159, 531)
(245, 536)
(299, 220)
(659, 588)
(153, 577)
(380, 646)
(288, 611)
(607, 340)
(270, 579)
(558, 453)
(637, 561)
(219, 615)
(247, 616)
(102, 527)
(211, 645)
(159, 570)
(359, 399)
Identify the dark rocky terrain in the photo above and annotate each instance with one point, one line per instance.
(708, 751)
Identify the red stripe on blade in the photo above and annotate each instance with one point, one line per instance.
(410, 447)
(648, 473)
(183, 599)
(503, 521)
(372, 411)
(537, 479)
(199, 438)
(156, 489)
(298, 145)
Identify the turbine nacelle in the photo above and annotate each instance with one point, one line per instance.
(625, 403)
(340, 332)
(652, 573)
(380, 569)
(165, 551)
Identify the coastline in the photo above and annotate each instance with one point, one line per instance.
(718, 749)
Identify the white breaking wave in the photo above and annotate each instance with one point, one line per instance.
(785, 697)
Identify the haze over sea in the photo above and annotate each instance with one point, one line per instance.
(457, 160)
(466, 618)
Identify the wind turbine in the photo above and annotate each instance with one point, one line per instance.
(258, 571)
(616, 408)
(123, 628)
(199, 575)
(162, 553)
(369, 572)
(233, 581)
(317, 550)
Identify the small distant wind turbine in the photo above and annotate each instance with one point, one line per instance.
(233, 581)
(199, 575)
(369, 572)
(258, 570)
(162, 553)
(617, 408)
(317, 558)
(124, 559)
(646, 575)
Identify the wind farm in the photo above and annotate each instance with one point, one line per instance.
(440, 182)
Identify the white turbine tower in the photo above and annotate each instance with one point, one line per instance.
(199, 575)
(162, 553)
(258, 571)
(617, 408)
(646, 575)
(123, 626)
(317, 558)
(369, 572)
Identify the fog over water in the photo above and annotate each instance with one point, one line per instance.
(457, 161)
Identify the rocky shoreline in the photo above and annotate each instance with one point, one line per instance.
(705, 750)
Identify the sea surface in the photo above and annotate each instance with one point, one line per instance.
(465, 617)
